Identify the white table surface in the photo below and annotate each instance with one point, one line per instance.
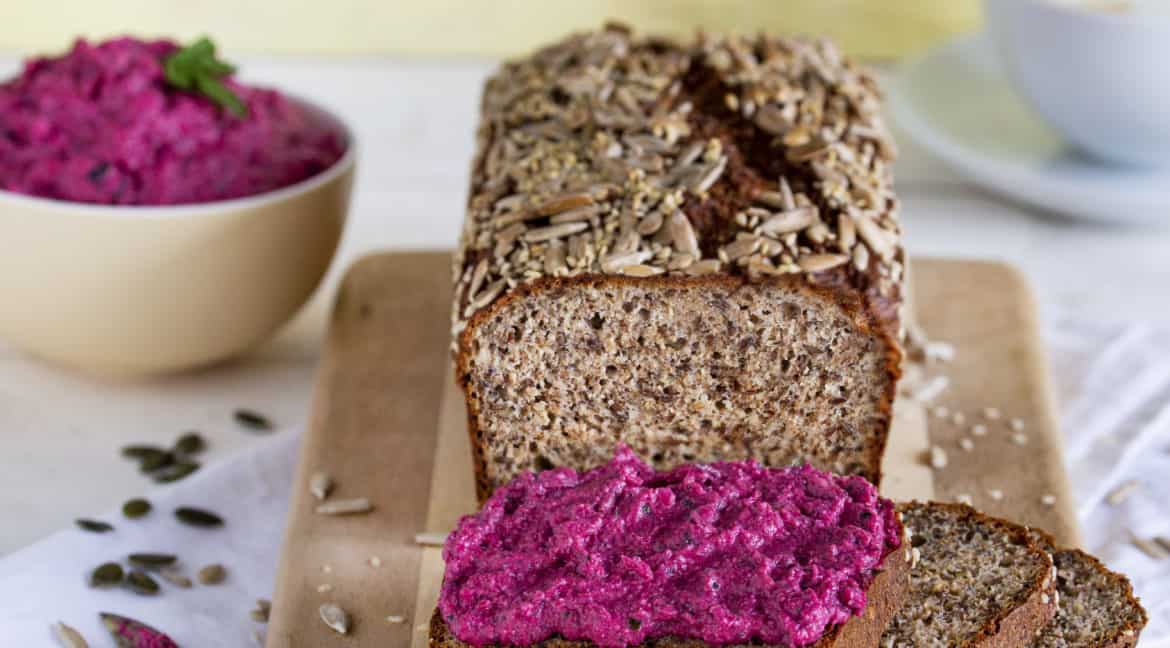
(60, 432)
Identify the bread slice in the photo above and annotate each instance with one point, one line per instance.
(886, 594)
(978, 581)
(1096, 607)
(652, 256)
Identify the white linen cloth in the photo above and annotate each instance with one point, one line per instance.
(1113, 383)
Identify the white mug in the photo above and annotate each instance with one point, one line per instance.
(1100, 78)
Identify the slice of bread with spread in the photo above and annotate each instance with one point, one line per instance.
(689, 248)
(722, 554)
(1096, 607)
(975, 581)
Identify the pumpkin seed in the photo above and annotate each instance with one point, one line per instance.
(94, 526)
(213, 574)
(189, 444)
(252, 420)
(334, 617)
(135, 508)
(154, 462)
(175, 577)
(151, 560)
(106, 575)
(198, 517)
(141, 583)
(141, 452)
(68, 637)
(175, 472)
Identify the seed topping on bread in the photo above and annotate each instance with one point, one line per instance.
(611, 154)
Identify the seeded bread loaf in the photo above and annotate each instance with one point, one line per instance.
(1096, 608)
(692, 249)
(976, 581)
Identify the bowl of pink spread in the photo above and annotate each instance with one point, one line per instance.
(725, 553)
(157, 214)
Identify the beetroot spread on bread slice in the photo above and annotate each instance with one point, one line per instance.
(721, 554)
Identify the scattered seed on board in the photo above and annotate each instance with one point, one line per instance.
(94, 526)
(915, 556)
(212, 574)
(175, 471)
(938, 458)
(396, 619)
(963, 498)
(152, 560)
(320, 484)
(966, 444)
(979, 430)
(106, 575)
(991, 413)
(430, 539)
(1020, 439)
(958, 418)
(324, 588)
(931, 389)
(334, 617)
(252, 420)
(941, 412)
(68, 636)
(1048, 500)
(135, 508)
(175, 577)
(995, 494)
(375, 562)
(140, 583)
(198, 517)
(1163, 542)
(1122, 492)
(154, 462)
(350, 506)
(327, 568)
(1017, 425)
(142, 452)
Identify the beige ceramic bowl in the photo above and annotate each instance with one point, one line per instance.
(132, 291)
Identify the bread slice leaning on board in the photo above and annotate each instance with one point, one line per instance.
(689, 248)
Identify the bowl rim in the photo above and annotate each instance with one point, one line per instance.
(1121, 19)
(191, 210)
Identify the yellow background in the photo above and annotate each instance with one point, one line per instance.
(868, 28)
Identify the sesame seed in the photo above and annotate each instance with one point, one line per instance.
(995, 494)
(1017, 425)
(941, 412)
(991, 413)
(958, 418)
(324, 588)
(966, 444)
(938, 458)
(394, 618)
(1048, 500)
(963, 498)
(979, 429)
(1020, 439)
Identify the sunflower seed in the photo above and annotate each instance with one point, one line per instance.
(704, 267)
(1151, 549)
(538, 234)
(334, 617)
(615, 262)
(741, 247)
(140, 583)
(198, 517)
(683, 234)
(877, 239)
(690, 153)
(350, 506)
(773, 199)
(576, 215)
(430, 539)
(1163, 542)
(771, 119)
(189, 444)
(151, 560)
(709, 176)
(93, 526)
(821, 262)
(860, 258)
(1122, 492)
(212, 574)
(846, 233)
(640, 270)
(68, 637)
(938, 458)
(564, 203)
(175, 472)
(106, 575)
(488, 294)
(252, 420)
(135, 508)
(175, 577)
(320, 484)
(789, 221)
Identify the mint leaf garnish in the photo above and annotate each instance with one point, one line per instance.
(194, 68)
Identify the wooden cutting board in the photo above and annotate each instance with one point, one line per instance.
(388, 424)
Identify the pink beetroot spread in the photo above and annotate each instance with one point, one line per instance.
(724, 553)
(100, 125)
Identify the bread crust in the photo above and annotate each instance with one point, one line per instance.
(885, 597)
(868, 320)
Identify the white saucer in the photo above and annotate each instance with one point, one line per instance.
(958, 104)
